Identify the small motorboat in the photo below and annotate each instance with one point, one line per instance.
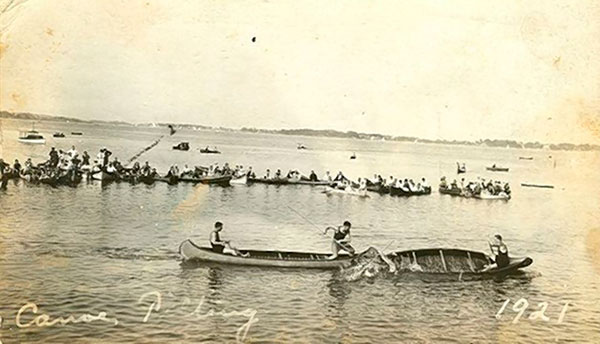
(32, 137)
(209, 151)
(301, 146)
(58, 135)
(495, 168)
(189, 251)
(182, 146)
(353, 156)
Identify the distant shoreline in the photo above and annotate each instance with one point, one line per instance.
(322, 133)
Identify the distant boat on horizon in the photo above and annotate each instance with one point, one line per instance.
(32, 137)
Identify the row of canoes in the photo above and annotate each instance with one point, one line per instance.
(398, 191)
(465, 264)
(483, 195)
(109, 177)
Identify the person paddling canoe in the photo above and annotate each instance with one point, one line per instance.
(500, 252)
(341, 239)
(219, 245)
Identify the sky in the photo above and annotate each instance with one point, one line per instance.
(523, 70)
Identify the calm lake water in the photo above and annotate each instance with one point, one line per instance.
(95, 249)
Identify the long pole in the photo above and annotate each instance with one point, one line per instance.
(172, 131)
(317, 228)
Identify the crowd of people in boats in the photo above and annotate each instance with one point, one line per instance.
(475, 188)
(69, 167)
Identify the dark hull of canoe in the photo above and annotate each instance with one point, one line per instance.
(286, 181)
(464, 264)
(537, 186)
(171, 180)
(146, 180)
(497, 169)
(459, 171)
(204, 151)
(301, 260)
(399, 192)
(379, 189)
(309, 182)
(222, 180)
(450, 191)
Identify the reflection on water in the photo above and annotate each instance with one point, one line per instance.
(99, 248)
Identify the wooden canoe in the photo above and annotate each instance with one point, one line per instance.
(466, 263)
(394, 191)
(218, 180)
(281, 259)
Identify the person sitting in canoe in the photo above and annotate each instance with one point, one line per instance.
(267, 174)
(443, 183)
(500, 252)
(341, 239)
(250, 173)
(278, 174)
(186, 171)
(219, 245)
(313, 176)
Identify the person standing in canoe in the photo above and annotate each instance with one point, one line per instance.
(341, 239)
(219, 245)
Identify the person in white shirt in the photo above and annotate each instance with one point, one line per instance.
(186, 171)
(327, 177)
(424, 183)
(72, 152)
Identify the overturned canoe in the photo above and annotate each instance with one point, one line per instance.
(282, 259)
